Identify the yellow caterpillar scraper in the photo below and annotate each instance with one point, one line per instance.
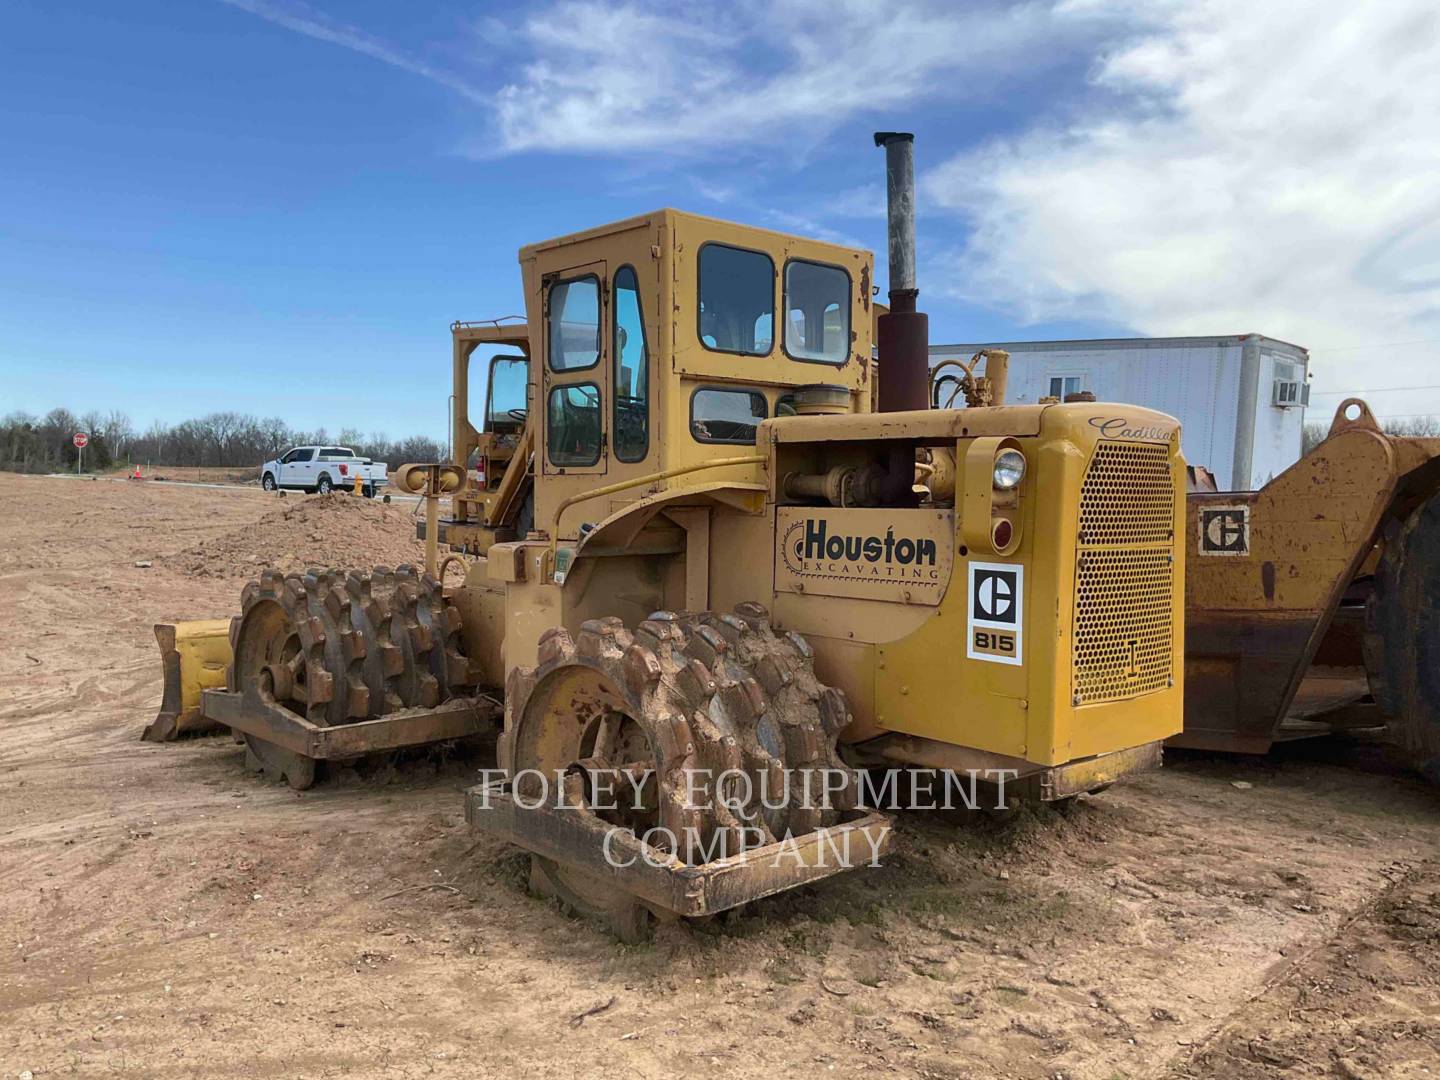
(1313, 604)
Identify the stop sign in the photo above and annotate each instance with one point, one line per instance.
(81, 439)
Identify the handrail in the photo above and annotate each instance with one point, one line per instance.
(506, 490)
(459, 324)
(641, 481)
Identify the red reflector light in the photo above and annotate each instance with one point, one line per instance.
(1003, 533)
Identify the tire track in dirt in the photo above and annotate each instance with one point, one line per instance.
(1304, 1019)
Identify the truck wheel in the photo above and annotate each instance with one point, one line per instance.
(368, 490)
(1402, 636)
(323, 486)
(268, 482)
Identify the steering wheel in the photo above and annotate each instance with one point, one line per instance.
(518, 415)
(635, 406)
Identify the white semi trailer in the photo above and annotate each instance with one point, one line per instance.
(1240, 398)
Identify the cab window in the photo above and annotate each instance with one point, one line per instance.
(505, 395)
(574, 323)
(297, 456)
(737, 300)
(632, 371)
(726, 416)
(572, 424)
(817, 312)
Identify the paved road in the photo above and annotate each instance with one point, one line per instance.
(394, 497)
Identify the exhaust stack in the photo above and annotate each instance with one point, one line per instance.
(904, 333)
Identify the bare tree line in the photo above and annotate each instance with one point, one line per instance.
(31, 443)
(235, 440)
(1414, 426)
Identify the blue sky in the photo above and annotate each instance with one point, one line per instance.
(278, 207)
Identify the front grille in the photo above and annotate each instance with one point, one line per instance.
(1128, 496)
(1125, 579)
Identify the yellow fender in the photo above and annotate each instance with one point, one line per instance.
(195, 656)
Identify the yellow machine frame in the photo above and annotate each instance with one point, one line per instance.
(997, 588)
(626, 538)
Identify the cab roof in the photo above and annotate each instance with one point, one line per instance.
(670, 216)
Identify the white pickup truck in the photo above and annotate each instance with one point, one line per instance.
(323, 468)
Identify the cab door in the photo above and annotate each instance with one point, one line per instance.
(292, 468)
(575, 387)
(282, 468)
(303, 470)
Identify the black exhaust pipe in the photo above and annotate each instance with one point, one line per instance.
(904, 333)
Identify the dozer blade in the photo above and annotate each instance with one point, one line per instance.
(194, 657)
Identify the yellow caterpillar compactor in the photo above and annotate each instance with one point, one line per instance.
(710, 581)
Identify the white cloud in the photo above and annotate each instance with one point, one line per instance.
(300, 17)
(864, 201)
(1230, 167)
(613, 77)
(1236, 167)
(770, 76)
(805, 225)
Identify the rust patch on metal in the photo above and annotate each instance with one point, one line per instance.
(1249, 648)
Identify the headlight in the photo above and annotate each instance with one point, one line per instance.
(1009, 469)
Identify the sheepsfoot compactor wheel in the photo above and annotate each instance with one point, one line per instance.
(677, 769)
(330, 666)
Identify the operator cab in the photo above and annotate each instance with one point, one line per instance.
(664, 341)
(654, 344)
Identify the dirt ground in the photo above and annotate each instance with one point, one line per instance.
(192, 474)
(165, 914)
